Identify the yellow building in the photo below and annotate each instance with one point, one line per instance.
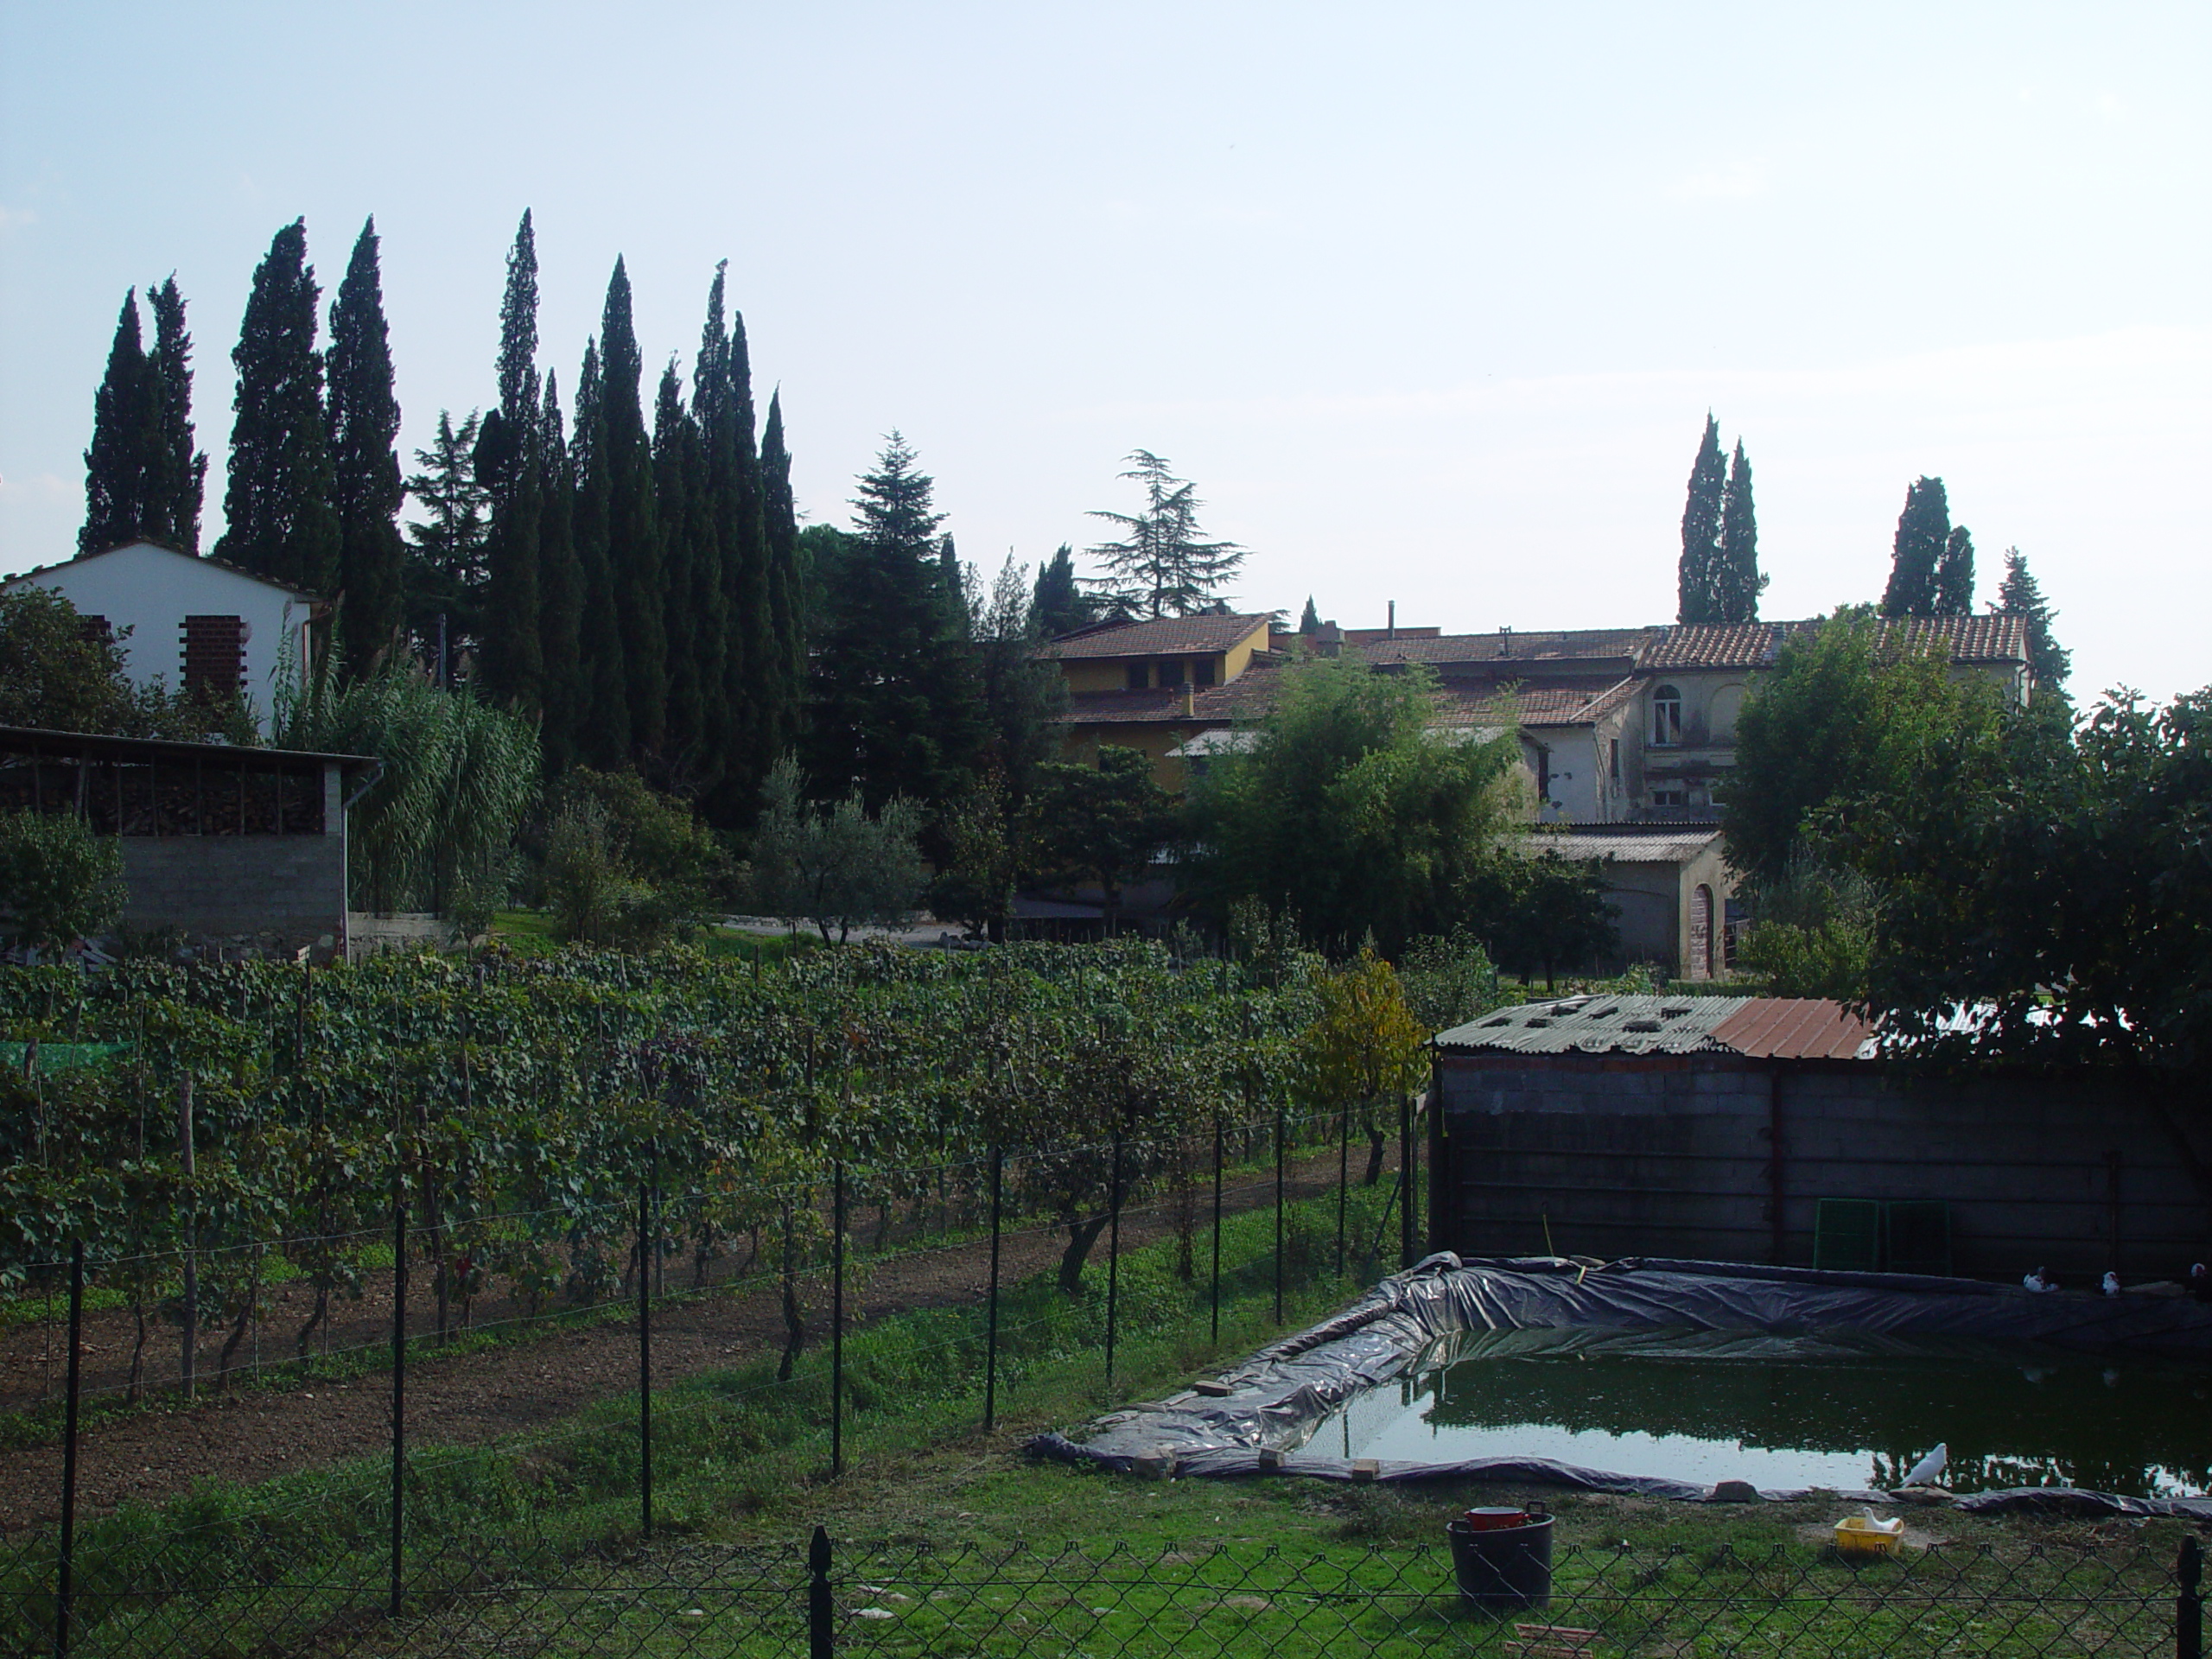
(1155, 685)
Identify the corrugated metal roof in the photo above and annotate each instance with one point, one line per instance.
(1796, 1028)
(1657, 847)
(1599, 1025)
(1765, 1028)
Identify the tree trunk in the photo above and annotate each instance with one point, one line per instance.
(137, 1349)
(1082, 1235)
(315, 1319)
(1376, 1140)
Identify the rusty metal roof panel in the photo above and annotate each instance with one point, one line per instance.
(1796, 1028)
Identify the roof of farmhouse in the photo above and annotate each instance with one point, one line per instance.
(1165, 636)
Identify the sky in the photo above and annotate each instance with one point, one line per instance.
(1430, 301)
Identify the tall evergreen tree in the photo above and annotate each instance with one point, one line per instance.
(120, 467)
(179, 483)
(1736, 582)
(680, 508)
(367, 486)
(727, 489)
(1162, 566)
(2021, 596)
(446, 575)
(790, 619)
(1309, 620)
(601, 734)
(279, 519)
(1924, 528)
(633, 546)
(562, 688)
(1057, 605)
(894, 706)
(1697, 598)
(1955, 574)
(511, 468)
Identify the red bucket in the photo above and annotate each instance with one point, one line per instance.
(1496, 1520)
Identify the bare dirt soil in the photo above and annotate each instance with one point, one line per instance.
(545, 1373)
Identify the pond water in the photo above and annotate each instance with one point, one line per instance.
(1839, 1410)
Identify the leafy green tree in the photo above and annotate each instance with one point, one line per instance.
(1349, 811)
(53, 676)
(1814, 935)
(2048, 663)
(628, 865)
(633, 538)
(58, 881)
(366, 489)
(447, 574)
(180, 471)
(1540, 913)
(1699, 601)
(1163, 565)
(512, 471)
(895, 706)
(1955, 574)
(1924, 531)
(1737, 584)
(1449, 978)
(122, 464)
(835, 866)
(1841, 718)
(981, 830)
(1059, 605)
(279, 518)
(1363, 1047)
(1107, 823)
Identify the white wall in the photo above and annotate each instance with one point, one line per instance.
(150, 590)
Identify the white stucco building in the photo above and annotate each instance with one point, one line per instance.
(186, 621)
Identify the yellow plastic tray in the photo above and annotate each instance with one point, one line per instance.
(1856, 1536)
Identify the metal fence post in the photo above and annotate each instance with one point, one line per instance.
(399, 1382)
(1218, 1150)
(1279, 1157)
(1114, 1259)
(837, 1319)
(2189, 1602)
(1343, 1179)
(821, 1606)
(187, 1373)
(1405, 1180)
(644, 1359)
(991, 1338)
(64, 1586)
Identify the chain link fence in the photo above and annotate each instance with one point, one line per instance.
(1312, 1598)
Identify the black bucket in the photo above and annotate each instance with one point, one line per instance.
(1504, 1569)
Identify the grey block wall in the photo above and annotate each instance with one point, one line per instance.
(1675, 1155)
(281, 891)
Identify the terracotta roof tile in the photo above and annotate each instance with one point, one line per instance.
(1164, 637)
(1547, 702)
(1581, 645)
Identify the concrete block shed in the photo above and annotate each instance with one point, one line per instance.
(1713, 1127)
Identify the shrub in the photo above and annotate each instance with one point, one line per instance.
(58, 881)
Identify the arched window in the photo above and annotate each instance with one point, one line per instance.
(1701, 964)
(1666, 717)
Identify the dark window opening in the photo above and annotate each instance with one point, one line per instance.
(1138, 679)
(1202, 671)
(1170, 670)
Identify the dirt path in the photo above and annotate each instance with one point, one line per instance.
(255, 1434)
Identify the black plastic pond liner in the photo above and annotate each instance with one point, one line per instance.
(1275, 1398)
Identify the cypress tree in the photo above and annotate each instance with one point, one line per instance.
(1924, 529)
(1309, 620)
(1058, 606)
(279, 520)
(723, 411)
(511, 465)
(367, 486)
(633, 543)
(180, 486)
(120, 467)
(602, 711)
(763, 686)
(679, 508)
(788, 619)
(560, 617)
(1955, 574)
(1697, 598)
(1736, 580)
(2020, 596)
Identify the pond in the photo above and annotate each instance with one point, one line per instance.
(1843, 1410)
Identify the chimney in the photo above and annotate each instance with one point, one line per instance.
(1390, 632)
(1329, 640)
(1505, 642)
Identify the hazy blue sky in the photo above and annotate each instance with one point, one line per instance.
(1430, 300)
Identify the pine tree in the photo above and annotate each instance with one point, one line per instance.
(633, 546)
(1309, 620)
(894, 706)
(1697, 598)
(562, 688)
(789, 617)
(179, 483)
(1736, 582)
(602, 733)
(120, 467)
(1058, 604)
(446, 575)
(1955, 574)
(366, 490)
(510, 466)
(1924, 528)
(2020, 596)
(1162, 566)
(279, 519)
